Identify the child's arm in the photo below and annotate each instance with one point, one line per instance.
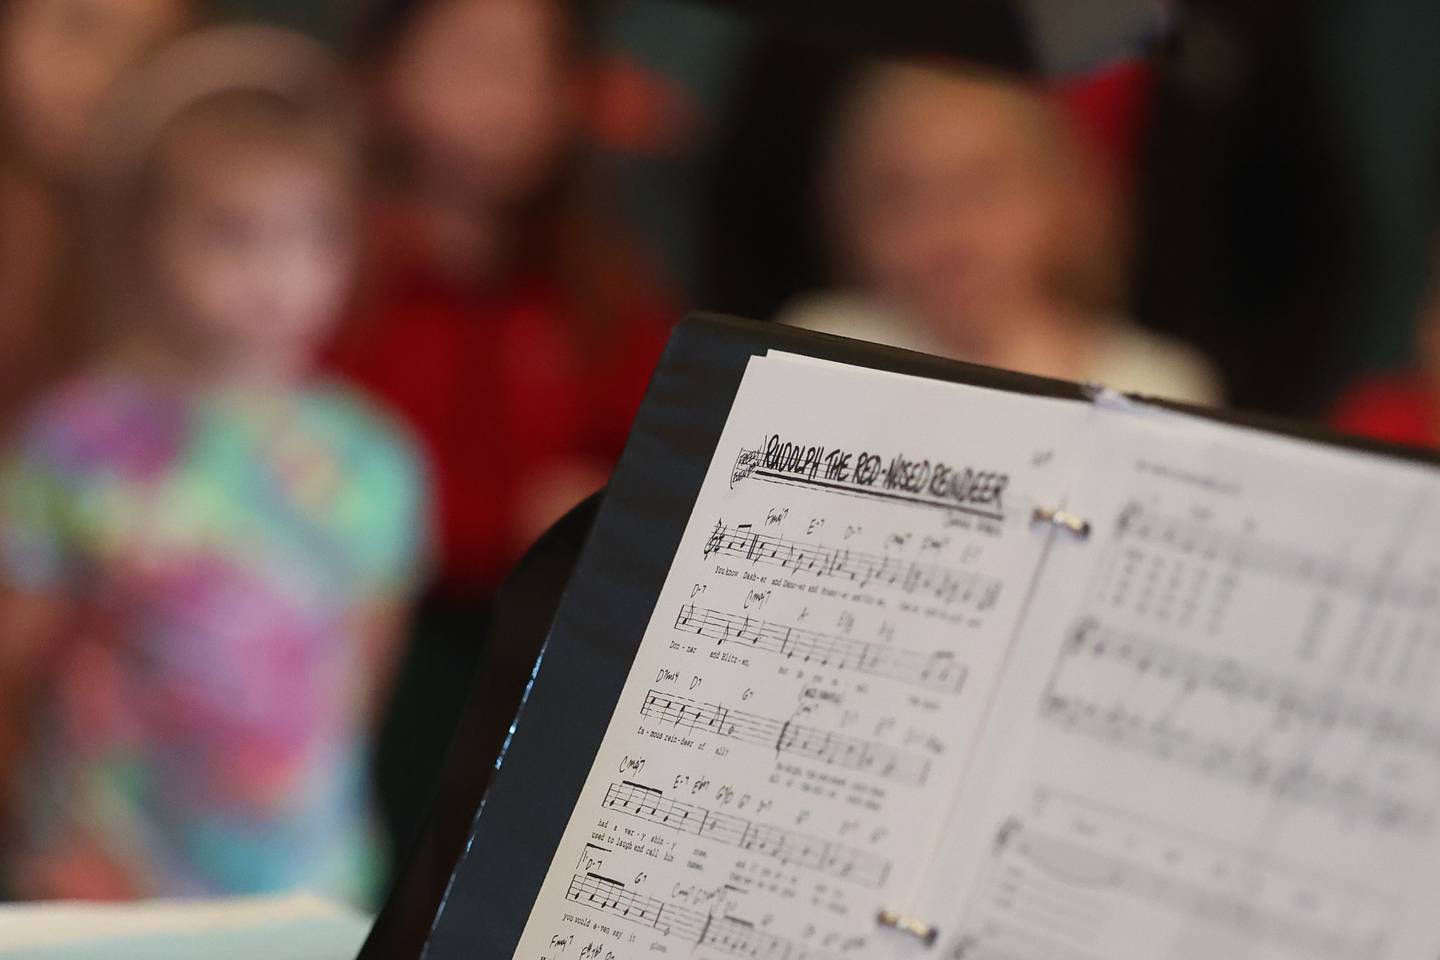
(36, 607)
(389, 533)
(380, 627)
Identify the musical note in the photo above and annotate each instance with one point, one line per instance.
(862, 756)
(938, 671)
(1136, 693)
(967, 588)
(1058, 872)
(1205, 542)
(787, 846)
(722, 932)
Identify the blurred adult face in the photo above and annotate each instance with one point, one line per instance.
(483, 91)
(253, 246)
(58, 58)
(944, 198)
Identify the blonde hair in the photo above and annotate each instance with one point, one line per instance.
(256, 84)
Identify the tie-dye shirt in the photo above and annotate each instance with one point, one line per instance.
(201, 729)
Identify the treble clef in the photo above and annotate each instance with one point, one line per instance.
(717, 537)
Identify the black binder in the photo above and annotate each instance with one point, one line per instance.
(604, 609)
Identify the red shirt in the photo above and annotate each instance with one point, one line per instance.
(1399, 408)
(500, 386)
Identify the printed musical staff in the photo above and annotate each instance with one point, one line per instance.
(703, 928)
(1072, 879)
(786, 736)
(938, 671)
(788, 846)
(611, 896)
(863, 569)
(1309, 745)
(1231, 548)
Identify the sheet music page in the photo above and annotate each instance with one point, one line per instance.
(811, 682)
(1220, 732)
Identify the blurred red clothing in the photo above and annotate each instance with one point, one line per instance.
(1399, 409)
(1109, 107)
(502, 384)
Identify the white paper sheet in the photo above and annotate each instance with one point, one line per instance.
(1206, 729)
(1219, 734)
(808, 693)
(282, 927)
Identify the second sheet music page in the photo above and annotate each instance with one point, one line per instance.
(1219, 735)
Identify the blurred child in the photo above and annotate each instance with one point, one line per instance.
(511, 331)
(204, 550)
(515, 337)
(1404, 406)
(57, 60)
(968, 223)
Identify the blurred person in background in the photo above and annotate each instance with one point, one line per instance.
(58, 58)
(512, 330)
(1404, 406)
(965, 218)
(205, 550)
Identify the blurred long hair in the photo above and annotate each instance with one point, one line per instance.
(57, 309)
(558, 232)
